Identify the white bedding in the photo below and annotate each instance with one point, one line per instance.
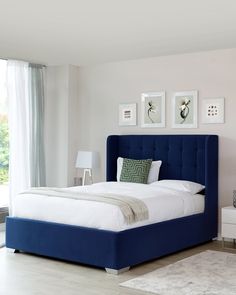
(163, 204)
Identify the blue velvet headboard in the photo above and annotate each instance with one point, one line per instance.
(187, 157)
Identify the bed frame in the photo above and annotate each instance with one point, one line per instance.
(187, 157)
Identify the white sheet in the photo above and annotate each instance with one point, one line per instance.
(163, 204)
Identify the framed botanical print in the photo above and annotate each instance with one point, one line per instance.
(127, 114)
(153, 109)
(185, 109)
(213, 110)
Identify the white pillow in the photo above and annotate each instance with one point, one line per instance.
(153, 172)
(181, 185)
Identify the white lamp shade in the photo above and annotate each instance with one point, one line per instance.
(87, 159)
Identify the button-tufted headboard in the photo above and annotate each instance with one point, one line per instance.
(187, 157)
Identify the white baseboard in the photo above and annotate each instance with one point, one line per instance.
(2, 226)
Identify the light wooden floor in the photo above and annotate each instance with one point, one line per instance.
(25, 274)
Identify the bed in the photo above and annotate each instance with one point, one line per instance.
(184, 157)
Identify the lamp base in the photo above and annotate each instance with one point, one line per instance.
(88, 172)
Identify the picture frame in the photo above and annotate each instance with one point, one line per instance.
(153, 109)
(185, 109)
(127, 114)
(213, 110)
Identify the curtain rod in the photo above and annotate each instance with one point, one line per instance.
(33, 63)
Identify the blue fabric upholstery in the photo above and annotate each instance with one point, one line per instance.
(190, 157)
(73, 243)
(183, 156)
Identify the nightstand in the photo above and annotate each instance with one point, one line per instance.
(228, 224)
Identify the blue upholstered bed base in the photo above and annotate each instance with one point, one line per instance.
(190, 157)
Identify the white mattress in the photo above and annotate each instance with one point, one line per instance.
(163, 204)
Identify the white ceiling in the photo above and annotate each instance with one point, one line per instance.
(84, 32)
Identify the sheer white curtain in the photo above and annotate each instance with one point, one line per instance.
(36, 123)
(18, 94)
(25, 94)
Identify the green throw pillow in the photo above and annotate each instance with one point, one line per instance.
(135, 170)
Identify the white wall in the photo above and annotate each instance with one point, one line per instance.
(82, 107)
(61, 140)
(102, 88)
(73, 121)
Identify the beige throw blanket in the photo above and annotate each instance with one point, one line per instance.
(132, 208)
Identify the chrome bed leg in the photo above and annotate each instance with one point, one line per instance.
(13, 250)
(117, 271)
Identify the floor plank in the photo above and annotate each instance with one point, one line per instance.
(32, 275)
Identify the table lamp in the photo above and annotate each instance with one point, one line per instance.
(87, 160)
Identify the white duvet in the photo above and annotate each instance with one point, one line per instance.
(163, 204)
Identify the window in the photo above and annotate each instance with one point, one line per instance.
(4, 138)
